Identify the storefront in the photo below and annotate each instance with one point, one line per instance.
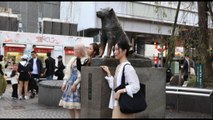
(42, 52)
(69, 53)
(41, 43)
(12, 53)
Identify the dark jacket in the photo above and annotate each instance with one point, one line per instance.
(59, 72)
(24, 71)
(60, 67)
(185, 67)
(50, 66)
(39, 65)
(1, 72)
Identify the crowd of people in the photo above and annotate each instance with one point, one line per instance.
(27, 74)
(23, 79)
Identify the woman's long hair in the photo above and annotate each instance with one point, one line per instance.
(124, 45)
(82, 49)
(96, 49)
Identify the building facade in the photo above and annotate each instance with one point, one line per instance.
(144, 22)
(30, 12)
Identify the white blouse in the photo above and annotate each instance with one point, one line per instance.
(131, 78)
(14, 80)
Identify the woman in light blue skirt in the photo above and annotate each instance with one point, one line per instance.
(71, 100)
(71, 85)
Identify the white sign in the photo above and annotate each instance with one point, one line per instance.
(42, 39)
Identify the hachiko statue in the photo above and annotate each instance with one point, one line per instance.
(111, 30)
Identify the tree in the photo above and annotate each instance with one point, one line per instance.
(204, 55)
(171, 41)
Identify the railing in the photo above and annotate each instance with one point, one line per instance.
(190, 91)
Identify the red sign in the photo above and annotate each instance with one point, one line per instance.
(69, 51)
(42, 50)
(14, 49)
(160, 49)
(156, 60)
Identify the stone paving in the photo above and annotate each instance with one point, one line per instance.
(28, 108)
(31, 109)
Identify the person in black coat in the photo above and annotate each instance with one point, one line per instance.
(59, 72)
(186, 68)
(50, 67)
(36, 72)
(24, 69)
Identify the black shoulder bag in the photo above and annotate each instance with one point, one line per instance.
(129, 104)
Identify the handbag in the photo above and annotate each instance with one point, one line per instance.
(128, 104)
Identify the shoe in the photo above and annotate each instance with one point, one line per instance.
(26, 97)
(20, 97)
(32, 95)
(14, 98)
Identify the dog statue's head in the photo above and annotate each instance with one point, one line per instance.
(105, 12)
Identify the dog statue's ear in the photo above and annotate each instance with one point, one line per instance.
(111, 12)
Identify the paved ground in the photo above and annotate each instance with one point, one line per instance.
(28, 108)
(31, 109)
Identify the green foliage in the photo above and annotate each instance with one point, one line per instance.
(207, 82)
(191, 81)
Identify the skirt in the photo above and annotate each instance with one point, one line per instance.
(116, 113)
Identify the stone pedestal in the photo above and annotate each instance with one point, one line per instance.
(111, 62)
(95, 91)
(50, 92)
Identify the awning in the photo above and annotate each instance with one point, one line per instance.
(69, 50)
(43, 49)
(14, 45)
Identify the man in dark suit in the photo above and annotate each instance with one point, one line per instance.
(186, 68)
(36, 72)
(50, 67)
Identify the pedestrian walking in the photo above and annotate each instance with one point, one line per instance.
(14, 83)
(35, 74)
(49, 70)
(186, 68)
(60, 69)
(3, 82)
(24, 69)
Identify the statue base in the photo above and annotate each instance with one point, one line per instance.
(95, 91)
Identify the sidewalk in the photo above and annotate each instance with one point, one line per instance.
(31, 109)
(28, 108)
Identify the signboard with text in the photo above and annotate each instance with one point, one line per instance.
(42, 39)
(199, 75)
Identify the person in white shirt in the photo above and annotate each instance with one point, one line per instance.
(35, 74)
(131, 77)
(14, 82)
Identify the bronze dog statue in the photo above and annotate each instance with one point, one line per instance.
(111, 30)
